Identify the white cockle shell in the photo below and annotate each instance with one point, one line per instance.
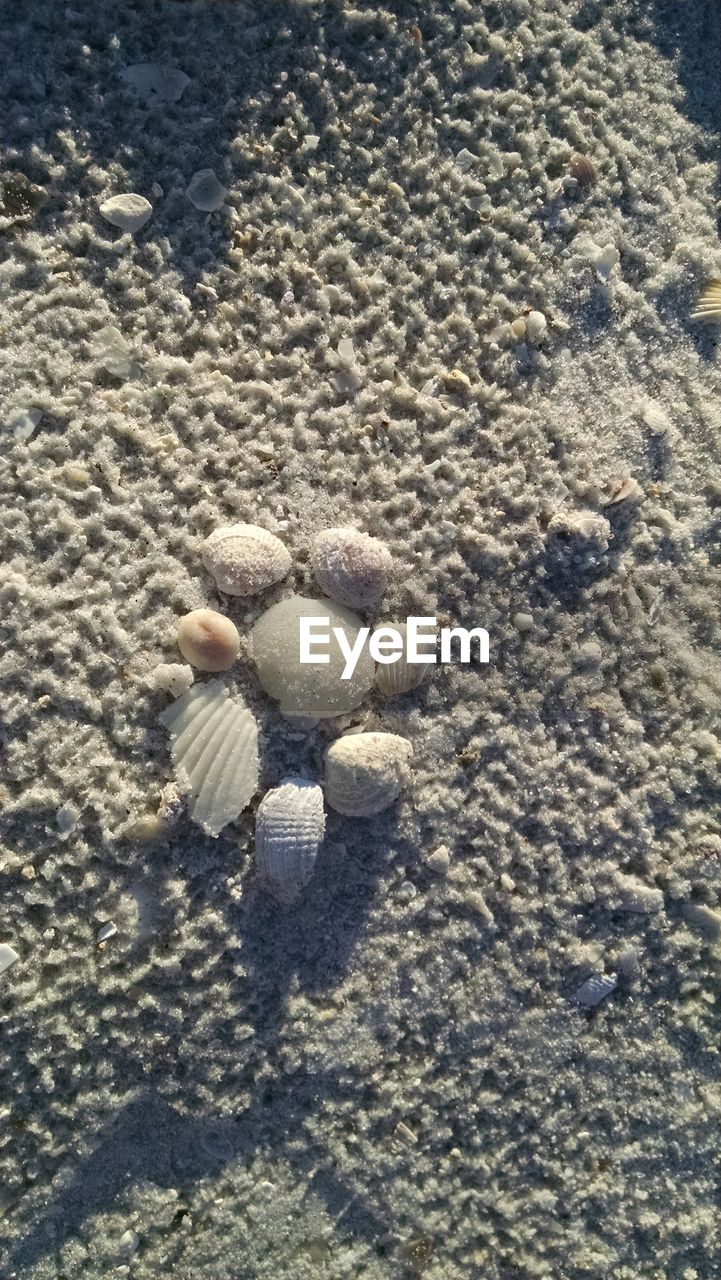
(394, 678)
(289, 827)
(350, 566)
(215, 753)
(366, 772)
(245, 559)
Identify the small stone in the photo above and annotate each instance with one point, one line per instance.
(8, 956)
(440, 860)
(522, 621)
(129, 212)
(171, 677)
(106, 931)
(205, 192)
(595, 989)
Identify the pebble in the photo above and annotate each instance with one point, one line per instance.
(595, 989)
(8, 956)
(129, 212)
(522, 621)
(535, 325)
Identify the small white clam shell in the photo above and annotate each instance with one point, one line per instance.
(245, 559)
(366, 772)
(289, 827)
(215, 753)
(394, 678)
(350, 566)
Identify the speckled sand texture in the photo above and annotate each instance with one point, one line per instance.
(395, 1075)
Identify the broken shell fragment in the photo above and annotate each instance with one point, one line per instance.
(245, 559)
(709, 304)
(289, 827)
(366, 772)
(350, 566)
(208, 640)
(215, 752)
(205, 192)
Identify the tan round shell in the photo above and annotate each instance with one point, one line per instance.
(350, 566)
(395, 678)
(366, 772)
(583, 170)
(245, 559)
(289, 827)
(208, 640)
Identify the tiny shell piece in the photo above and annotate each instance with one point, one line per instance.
(245, 559)
(205, 192)
(595, 989)
(366, 772)
(583, 170)
(129, 212)
(709, 304)
(289, 827)
(440, 860)
(8, 956)
(623, 490)
(350, 566)
(401, 676)
(215, 753)
(208, 640)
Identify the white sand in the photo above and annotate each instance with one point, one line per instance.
(215, 1093)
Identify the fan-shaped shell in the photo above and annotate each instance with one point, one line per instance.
(583, 170)
(366, 772)
(394, 678)
(215, 753)
(709, 304)
(245, 559)
(350, 566)
(289, 827)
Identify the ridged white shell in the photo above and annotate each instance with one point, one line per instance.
(366, 772)
(394, 678)
(245, 559)
(350, 566)
(709, 304)
(215, 753)
(289, 827)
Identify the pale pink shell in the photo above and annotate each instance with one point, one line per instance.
(350, 566)
(245, 559)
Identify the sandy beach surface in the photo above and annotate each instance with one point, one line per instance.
(402, 313)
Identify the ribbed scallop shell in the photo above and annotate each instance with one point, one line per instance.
(289, 827)
(245, 559)
(583, 170)
(394, 678)
(350, 566)
(215, 752)
(709, 304)
(366, 772)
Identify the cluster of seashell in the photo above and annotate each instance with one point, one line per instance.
(214, 738)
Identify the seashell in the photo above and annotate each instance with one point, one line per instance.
(245, 559)
(366, 772)
(583, 170)
(316, 690)
(394, 678)
(595, 989)
(581, 525)
(350, 566)
(289, 827)
(623, 490)
(215, 753)
(208, 640)
(709, 304)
